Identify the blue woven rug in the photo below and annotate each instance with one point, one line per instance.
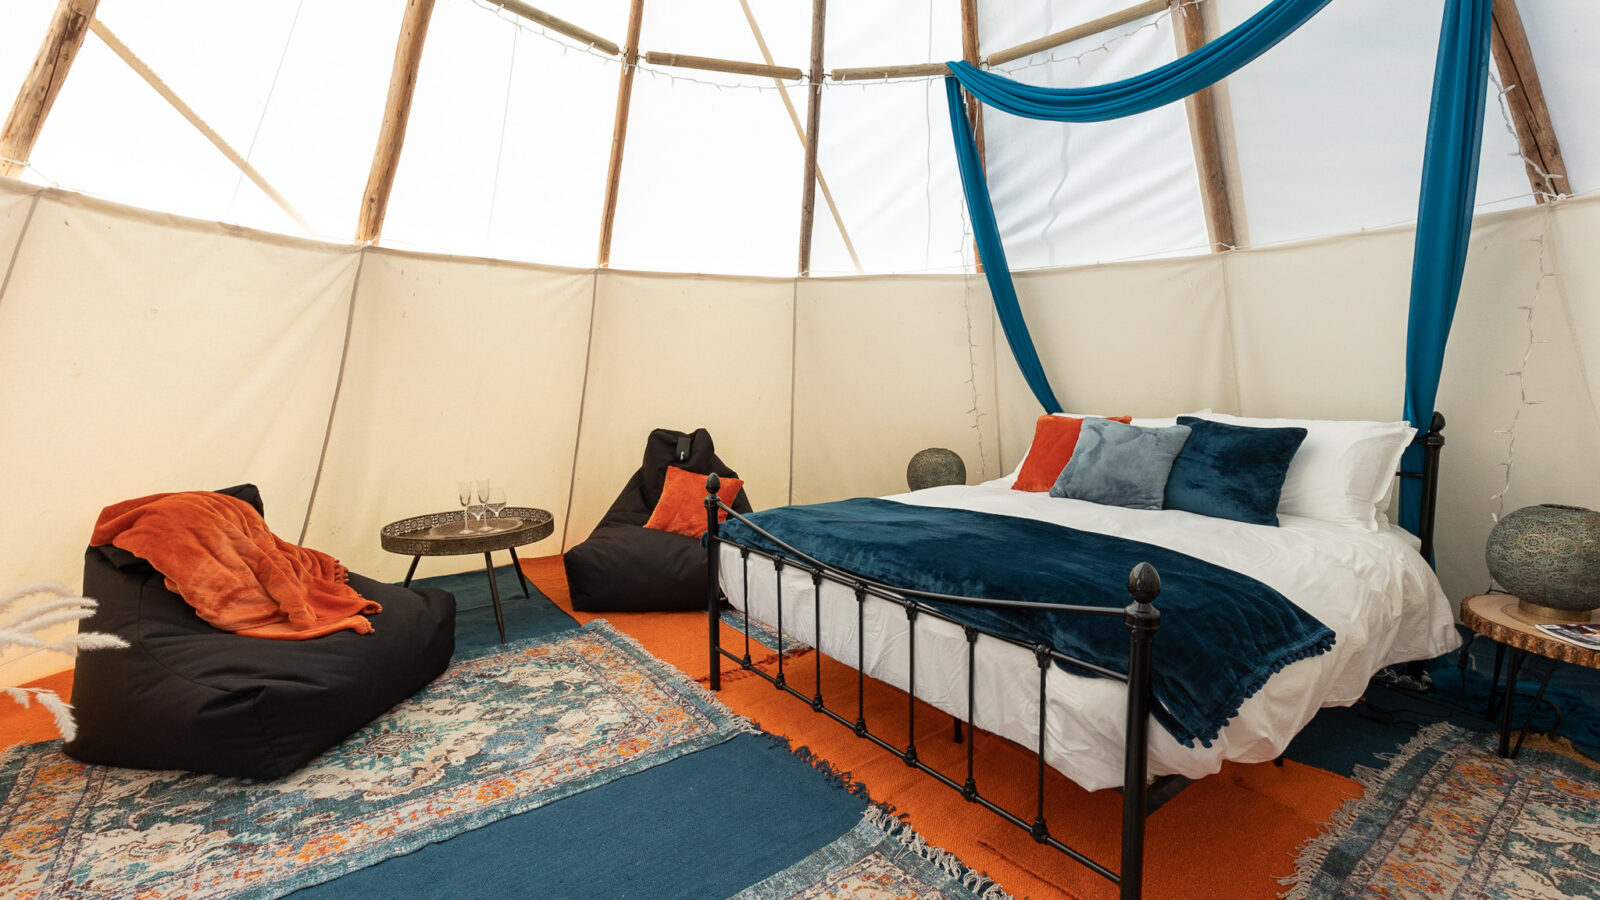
(453, 793)
(495, 735)
(880, 858)
(1450, 818)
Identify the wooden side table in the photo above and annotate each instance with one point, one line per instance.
(1495, 617)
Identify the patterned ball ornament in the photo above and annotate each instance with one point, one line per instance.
(1549, 556)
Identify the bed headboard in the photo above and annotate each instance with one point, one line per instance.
(1431, 441)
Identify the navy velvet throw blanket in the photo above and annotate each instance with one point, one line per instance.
(1222, 633)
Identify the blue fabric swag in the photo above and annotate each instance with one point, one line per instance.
(1444, 216)
(1158, 87)
(1222, 634)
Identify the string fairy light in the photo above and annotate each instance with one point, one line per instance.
(1054, 56)
(1529, 310)
(1548, 192)
(969, 272)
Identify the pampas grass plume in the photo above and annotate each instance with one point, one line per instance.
(20, 627)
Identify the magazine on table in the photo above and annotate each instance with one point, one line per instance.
(1587, 636)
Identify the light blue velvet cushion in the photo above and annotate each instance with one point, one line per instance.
(1232, 471)
(1121, 465)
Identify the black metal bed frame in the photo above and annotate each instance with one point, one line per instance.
(1141, 795)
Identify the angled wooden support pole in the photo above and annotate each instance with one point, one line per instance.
(1530, 118)
(396, 110)
(619, 130)
(139, 67)
(62, 41)
(1189, 30)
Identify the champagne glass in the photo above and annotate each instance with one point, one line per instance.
(482, 490)
(496, 501)
(475, 510)
(464, 494)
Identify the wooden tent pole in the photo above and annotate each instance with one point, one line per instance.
(732, 66)
(61, 43)
(800, 132)
(619, 130)
(168, 94)
(1048, 42)
(558, 25)
(396, 111)
(1189, 30)
(879, 73)
(808, 187)
(1087, 29)
(1530, 118)
(969, 52)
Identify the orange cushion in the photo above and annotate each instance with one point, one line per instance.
(682, 507)
(1054, 439)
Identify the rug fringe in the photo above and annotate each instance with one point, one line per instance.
(984, 887)
(1314, 852)
(690, 686)
(839, 778)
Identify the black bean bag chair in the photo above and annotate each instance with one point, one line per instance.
(185, 695)
(624, 566)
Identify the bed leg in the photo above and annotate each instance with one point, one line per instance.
(1142, 619)
(957, 723)
(713, 613)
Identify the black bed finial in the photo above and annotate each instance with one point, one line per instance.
(713, 483)
(1144, 583)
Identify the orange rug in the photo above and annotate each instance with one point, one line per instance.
(25, 726)
(1232, 835)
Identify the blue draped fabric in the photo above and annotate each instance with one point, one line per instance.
(986, 233)
(1142, 93)
(1158, 87)
(1444, 215)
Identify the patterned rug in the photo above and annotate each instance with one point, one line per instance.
(495, 735)
(879, 859)
(1450, 818)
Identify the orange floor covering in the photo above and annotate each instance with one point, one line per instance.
(25, 726)
(1231, 836)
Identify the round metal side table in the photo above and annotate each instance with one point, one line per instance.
(439, 534)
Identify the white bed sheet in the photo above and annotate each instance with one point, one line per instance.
(1373, 589)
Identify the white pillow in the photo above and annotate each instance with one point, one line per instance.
(1143, 423)
(1342, 471)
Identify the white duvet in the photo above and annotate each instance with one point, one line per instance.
(1373, 589)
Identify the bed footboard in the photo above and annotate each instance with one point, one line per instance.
(1141, 617)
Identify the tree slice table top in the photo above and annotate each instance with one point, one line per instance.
(1495, 616)
(438, 534)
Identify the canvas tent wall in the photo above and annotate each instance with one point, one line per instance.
(145, 351)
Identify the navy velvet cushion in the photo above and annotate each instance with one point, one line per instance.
(1231, 471)
(1121, 465)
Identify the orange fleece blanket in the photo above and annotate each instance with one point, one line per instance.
(218, 554)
